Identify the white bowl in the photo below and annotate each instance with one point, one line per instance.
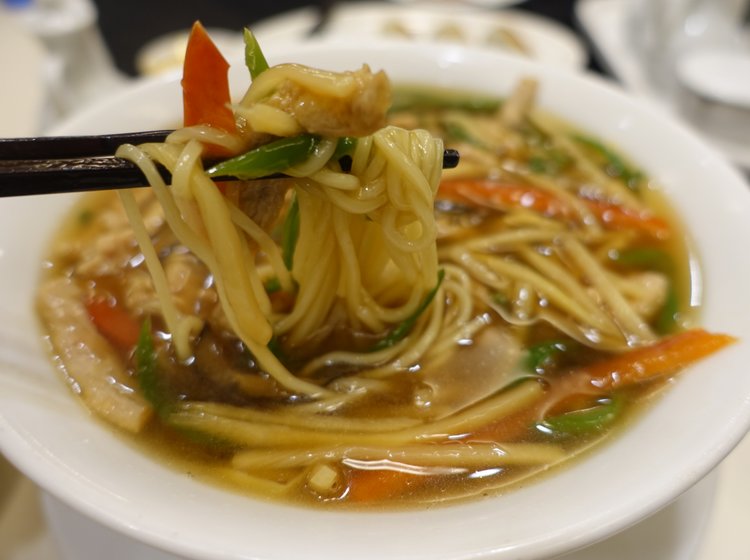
(47, 433)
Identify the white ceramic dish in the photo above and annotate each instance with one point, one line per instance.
(48, 435)
(544, 39)
(674, 533)
(35, 525)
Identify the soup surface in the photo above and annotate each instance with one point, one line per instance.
(562, 302)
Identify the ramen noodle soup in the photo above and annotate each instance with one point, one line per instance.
(366, 329)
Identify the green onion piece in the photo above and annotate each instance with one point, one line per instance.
(667, 319)
(499, 298)
(272, 285)
(147, 372)
(455, 131)
(344, 147)
(584, 422)
(406, 98)
(290, 233)
(534, 135)
(405, 327)
(254, 59)
(344, 152)
(271, 158)
(644, 257)
(85, 217)
(549, 162)
(538, 165)
(544, 355)
(276, 349)
(614, 164)
(650, 258)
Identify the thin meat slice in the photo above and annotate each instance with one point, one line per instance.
(333, 104)
(94, 368)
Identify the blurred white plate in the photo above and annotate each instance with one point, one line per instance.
(543, 39)
(166, 53)
(23, 90)
(604, 21)
(484, 3)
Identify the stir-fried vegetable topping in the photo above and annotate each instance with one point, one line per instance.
(502, 196)
(651, 258)
(205, 84)
(147, 372)
(404, 328)
(548, 354)
(290, 233)
(255, 60)
(614, 165)
(405, 98)
(268, 159)
(583, 421)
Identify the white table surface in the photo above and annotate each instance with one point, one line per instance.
(727, 532)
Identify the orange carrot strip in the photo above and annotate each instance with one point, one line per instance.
(486, 192)
(662, 358)
(510, 428)
(373, 486)
(114, 322)
(618, 217)
(501, 196)
(205, 85)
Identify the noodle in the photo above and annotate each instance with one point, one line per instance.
(475, 455)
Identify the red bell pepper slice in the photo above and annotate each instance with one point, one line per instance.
(205, 85)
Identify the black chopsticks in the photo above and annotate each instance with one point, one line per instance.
(46, 147)
(60, 164)
(51, 176)
(64, 164)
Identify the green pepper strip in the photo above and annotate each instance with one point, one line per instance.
(455, 131)
(271, 158)
(150, 379)
(147, 372)
(615, 164)
(290, 233)
(543, 355)
(666, 322)
(254, 59)
(85, 217)
(533, 135)
(405, 327)
(656, 259)
(549, 162)
(404, 99)
(584, 422)
(274, 345)
(272, 285)
(644, 257)
(498, 298)
(344, 147)
(344, 151)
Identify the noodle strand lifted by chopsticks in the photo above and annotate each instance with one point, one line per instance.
(383, 207)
